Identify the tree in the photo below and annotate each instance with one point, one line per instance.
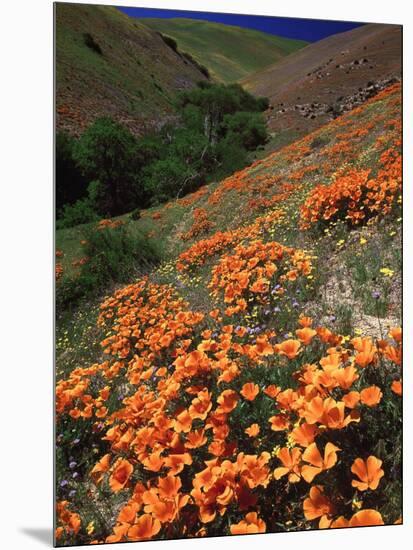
(70, 183)
(106, 155)
(247, 128)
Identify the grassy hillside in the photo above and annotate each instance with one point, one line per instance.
(110, 64)
(268, 339)
(277, 186)
(326, 78)
(230, 53)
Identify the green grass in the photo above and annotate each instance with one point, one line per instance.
(136, 75)
(230, 53)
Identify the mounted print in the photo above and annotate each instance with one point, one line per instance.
(228, 274)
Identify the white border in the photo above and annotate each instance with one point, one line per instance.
(27, 274)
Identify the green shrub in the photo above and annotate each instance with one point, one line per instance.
(91, 43)
(135, 215)
(113, 255)
(75, 214)
(169, 41)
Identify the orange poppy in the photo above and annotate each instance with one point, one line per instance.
(227, 400)
(154, 462)
(279, 422)
(183, 422)
(145, 528)
(396, 334)
(289, 348)
(396, 387)
(318, 463)
(364, 518)
(291, 464)
(169, 486)
(368, 471)
(371, 396)
(195, 439)
(253, 430)
(100, 469)
(305, 335)
(250, 391)
(345, 377)
(121, 473)
(304, 435)
(351, 399)
(251, 524)
(305, 321)
(176, 462)
(128, 513)
(317, 504)
(272, 391)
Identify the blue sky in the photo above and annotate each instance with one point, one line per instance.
(304, 29)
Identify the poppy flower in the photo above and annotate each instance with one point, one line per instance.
(121, 473)
(227, 400)
(279, 422)
(183, 422)
(250, 391)
(128, 513)
(396, 387)
(364, 518)
(272, 391)
(145, 528)
(318, 463)
(119, 533)
(304, 435)
(351, 399)
(345, 376)
(291, 464)
(305, 321)
(154, 462)
(100, 468)
(289, 348)
(251, 524)
(305, 335)
(317, 504)
(253, 430)
(196, 439)
(368, 471)
(371, 396)
(177, 462)
(396, 334)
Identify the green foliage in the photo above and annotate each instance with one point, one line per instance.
(113, 255)
(169, 41)
(106, 154)
(218, 126)
(70, 184)
(135, 215)
(247, 128)
(81, 211)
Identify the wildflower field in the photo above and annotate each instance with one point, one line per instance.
(252, 381)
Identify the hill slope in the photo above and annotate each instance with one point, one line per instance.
(318, 82)
(230, 53)
(109, 64)
(259, 345)
(268, 195)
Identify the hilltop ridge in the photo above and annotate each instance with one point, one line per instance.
(229, 52)
(108, 64)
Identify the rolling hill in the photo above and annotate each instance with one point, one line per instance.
(230, 53)
(321, 81)
(109, 64)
